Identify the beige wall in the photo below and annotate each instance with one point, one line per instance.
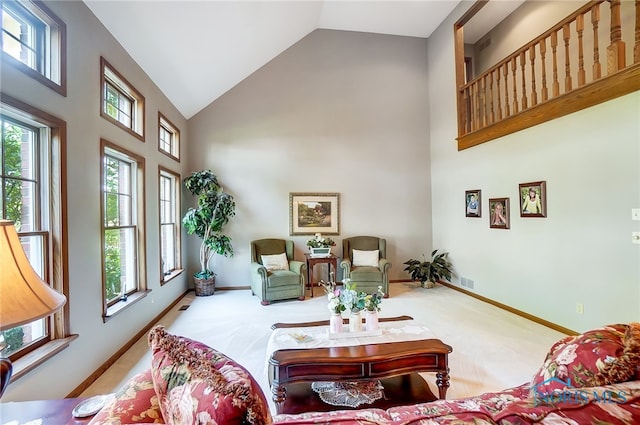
(580, 253)
(97, 341)
(341, 112)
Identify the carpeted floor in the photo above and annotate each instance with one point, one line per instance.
(492, 348)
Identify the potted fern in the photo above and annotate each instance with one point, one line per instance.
(429, 272)
(214, 209)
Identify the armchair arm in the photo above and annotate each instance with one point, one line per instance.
(345, 265)
(258, 279)
(300, 268)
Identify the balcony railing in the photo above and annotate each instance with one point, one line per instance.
(558, 73)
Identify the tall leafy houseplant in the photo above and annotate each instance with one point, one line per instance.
(214, 209)
(431, 271)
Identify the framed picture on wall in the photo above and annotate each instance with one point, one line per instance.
(472, 202)
(499, 213)
(311, 213)
(533, 199)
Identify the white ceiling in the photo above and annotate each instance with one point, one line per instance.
(195, 51)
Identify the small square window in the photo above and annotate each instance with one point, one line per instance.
(34, 41)
(120, 102)
(168, 138)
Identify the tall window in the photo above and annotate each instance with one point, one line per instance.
(168, 138)
(34, 40)
(121, 103)
(123, 226)
(31, 164)
(170, 259)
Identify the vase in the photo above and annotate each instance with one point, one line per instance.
(371, 320)
(355, 322)
(335, 323)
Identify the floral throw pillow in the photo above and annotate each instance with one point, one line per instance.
(196, 384)
(601, 356)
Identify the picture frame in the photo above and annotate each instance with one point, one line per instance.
(499, 213)
(311, 213)
(533, 199)
(473, 203)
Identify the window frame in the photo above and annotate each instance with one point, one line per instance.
(56, 245)
(110, 309)
(168, 126)
(54, 61)
(109, 75)
(178, 269)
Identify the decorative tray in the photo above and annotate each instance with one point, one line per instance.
(347, 334)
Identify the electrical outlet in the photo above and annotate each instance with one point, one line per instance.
(635, 214)
(579, 308)
(469, 283)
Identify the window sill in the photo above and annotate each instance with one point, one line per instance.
(123, 305)
(166, 278)
(27, 363)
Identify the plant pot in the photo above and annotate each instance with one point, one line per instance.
(371, 321)
(355, 322)
(320, 252)
(204, 287)
(335, 323)
(428, 284)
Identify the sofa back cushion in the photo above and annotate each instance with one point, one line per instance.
(197, 384)
(603, 356)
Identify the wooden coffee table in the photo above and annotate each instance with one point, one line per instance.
(396, 362)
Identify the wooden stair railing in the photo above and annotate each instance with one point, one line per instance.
(516, 94)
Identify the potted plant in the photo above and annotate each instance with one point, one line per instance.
(429, 272)
(213, 211)
(319, 246)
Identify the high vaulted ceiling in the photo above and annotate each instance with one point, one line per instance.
(195, 51)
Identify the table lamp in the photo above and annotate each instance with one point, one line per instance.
(24, 297)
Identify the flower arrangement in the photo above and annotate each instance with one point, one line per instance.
(319, 242)
(351, 298)
(372, 301)
(333, 294)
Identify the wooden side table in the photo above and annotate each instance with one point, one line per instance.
(49, 411)
(312, 261)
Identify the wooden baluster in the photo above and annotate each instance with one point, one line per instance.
(615, 52)
(524, 81)
(467, 110)
(532, 59)
(515, 89)
(580, 29)
(554, 48)
(483, 102)
(544, 91)
(636, 46)
(492, 116)
(505, 73)
(498, 100)
(566, 34)
(475, 124)
(595, 21)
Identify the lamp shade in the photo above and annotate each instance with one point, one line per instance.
(24, 297)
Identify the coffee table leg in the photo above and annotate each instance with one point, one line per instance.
(442, 380)
(279, 396)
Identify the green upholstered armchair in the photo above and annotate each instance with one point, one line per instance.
(369, 270)
(284, 280)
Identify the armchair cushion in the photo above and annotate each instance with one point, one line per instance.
(366, 258)
(197, 384)
(366, 274)
(275, 262)
(278, 278)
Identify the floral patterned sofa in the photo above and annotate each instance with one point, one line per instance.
(592, 378)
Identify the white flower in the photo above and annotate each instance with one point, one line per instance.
(567, 355)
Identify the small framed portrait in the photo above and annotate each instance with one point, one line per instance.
(472, 203)
(533, 199)
(499, 213)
